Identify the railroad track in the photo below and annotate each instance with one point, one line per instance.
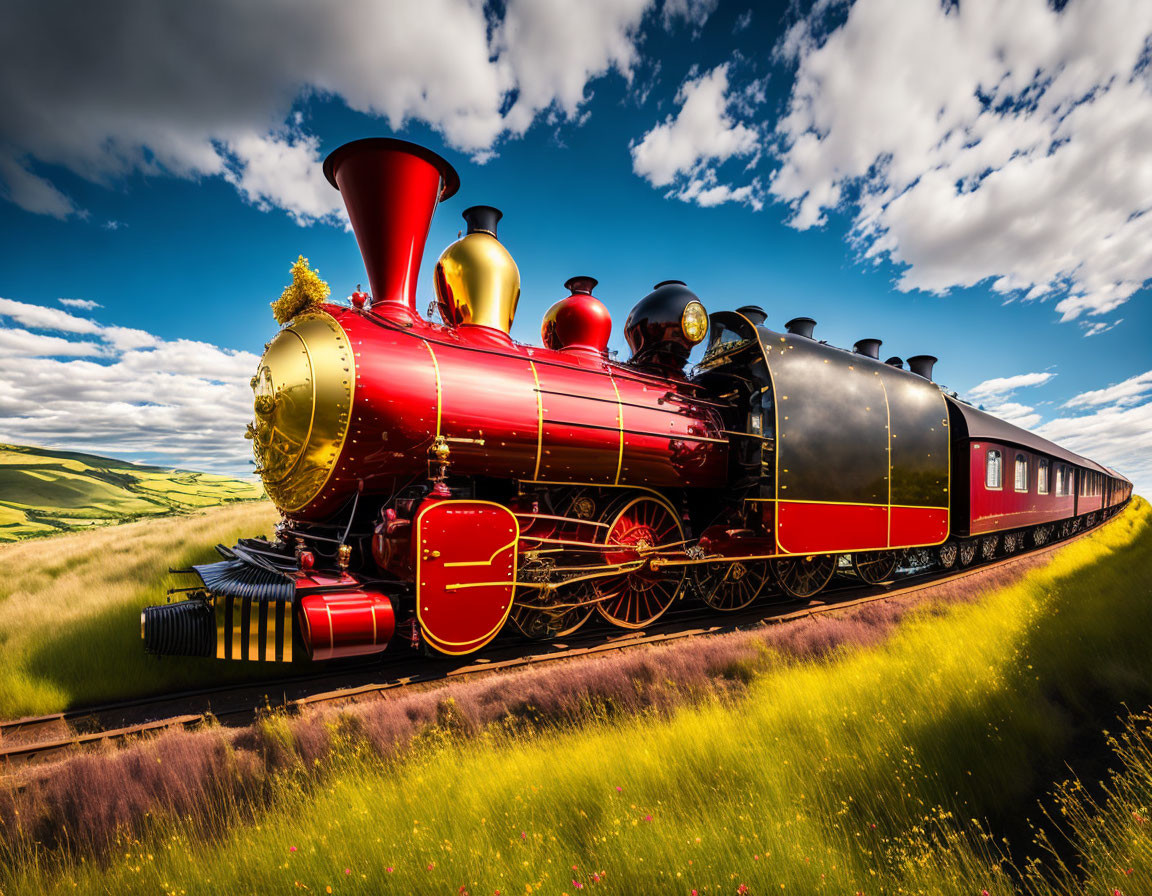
(43, 738)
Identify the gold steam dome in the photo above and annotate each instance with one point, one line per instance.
(477, 282)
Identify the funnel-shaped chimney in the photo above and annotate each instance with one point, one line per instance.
(870, 348)
(390, 188)
(922, 365)
(895, 361)
(801, 326)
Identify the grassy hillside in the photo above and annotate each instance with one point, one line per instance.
(43, 491)
(907, 765)
(70, 608)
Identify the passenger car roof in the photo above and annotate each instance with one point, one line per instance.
(982, 425)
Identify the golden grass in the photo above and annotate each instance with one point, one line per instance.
(878, 769)
(70, 608)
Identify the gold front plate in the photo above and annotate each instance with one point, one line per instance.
(303, 399)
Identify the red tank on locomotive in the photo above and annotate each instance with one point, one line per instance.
(441, 482)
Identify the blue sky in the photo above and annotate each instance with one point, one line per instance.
(971, 183)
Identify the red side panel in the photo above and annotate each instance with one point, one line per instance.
(912, 526)
(1004, 508)
(822, 528)
(465, 572)
(351, 623)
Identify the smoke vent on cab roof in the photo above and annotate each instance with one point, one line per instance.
(801, 326)
(922, 365)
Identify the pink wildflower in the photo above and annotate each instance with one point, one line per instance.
(647, 817)
(291, 849)
(742, 889)
(389, 869)
(347, 870)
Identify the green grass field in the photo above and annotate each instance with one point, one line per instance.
(44, 492)
(894, 768)
(70, 608)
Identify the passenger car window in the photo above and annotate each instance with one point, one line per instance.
(1021, 474)
(992, 471)
(1042, 476)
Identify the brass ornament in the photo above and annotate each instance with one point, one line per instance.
(477, 282)
(303, 397)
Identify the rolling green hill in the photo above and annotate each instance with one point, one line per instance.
(43, 491)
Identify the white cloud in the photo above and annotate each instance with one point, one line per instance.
(1118, 437)
(1021, 414)
(123, 392)
(18, 342)
(684, 149)
(694, 12)
(1095, 328)
(209, 89)
(980, 141)
(1131, 391)
(41, 318)
(1006, 385)
(82, 304)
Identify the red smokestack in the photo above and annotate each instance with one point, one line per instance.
(391, 188)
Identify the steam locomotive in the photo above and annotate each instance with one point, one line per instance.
(439, 481)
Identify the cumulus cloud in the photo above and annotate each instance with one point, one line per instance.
(208, 89)
(1006, 385)
(683, 150)
(122, 392)
(979, 142)
(82, 304)
(694, 12)
(1116, 436)
(994, 396)
(1132, 391)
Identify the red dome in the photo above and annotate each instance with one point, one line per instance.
(580, 321)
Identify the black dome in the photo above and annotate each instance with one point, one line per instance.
(653, 329)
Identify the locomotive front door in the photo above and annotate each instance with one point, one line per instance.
(465, 572)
